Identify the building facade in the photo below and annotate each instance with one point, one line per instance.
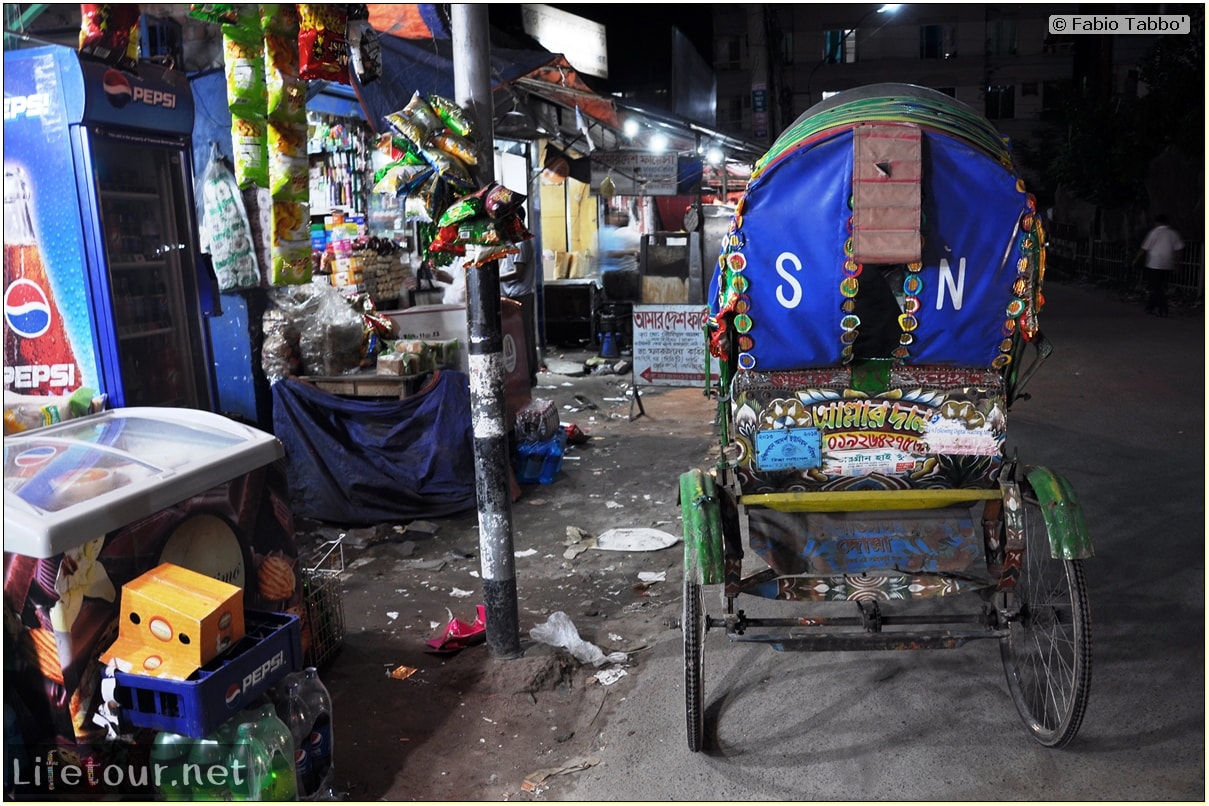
(773, 61)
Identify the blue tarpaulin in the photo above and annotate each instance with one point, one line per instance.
(361, 461)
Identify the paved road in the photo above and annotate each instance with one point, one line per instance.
(1118, 409)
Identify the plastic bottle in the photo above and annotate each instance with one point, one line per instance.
(169, 755)
(249, 764)
(207, 773)
(307, 707)
(280, 783)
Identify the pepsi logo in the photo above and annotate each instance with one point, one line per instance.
(26, 309)
(117, 88)
(33, 457)
(233, 695)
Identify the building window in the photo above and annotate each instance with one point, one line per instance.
(1053, 99)
(839, 47)
(1028, 88)
(1001, 37)
(931, 42)
(937, 41)
(1001, 102)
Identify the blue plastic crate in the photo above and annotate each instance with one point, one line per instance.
(538, 462)
(271, 648)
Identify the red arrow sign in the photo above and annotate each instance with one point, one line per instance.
(650, 375)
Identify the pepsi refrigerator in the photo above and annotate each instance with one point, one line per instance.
(104, 283)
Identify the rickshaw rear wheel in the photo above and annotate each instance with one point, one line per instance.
(693, 626)
(1047, 651)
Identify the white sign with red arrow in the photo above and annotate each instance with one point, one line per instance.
(670, 347)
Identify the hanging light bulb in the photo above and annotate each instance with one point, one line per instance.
(658, 142)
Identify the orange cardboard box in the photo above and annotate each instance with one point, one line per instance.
(174, 621)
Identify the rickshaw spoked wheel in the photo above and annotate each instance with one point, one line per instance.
(1047, 651)
(702, 565)
(693, 626)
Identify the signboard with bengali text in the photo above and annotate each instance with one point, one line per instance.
(669, 346)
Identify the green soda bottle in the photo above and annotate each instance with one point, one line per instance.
(280, 783)
(169, 755)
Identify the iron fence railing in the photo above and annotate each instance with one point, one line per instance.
(1112, 264)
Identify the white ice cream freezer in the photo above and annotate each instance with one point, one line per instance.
(91, 504)
(68, 483)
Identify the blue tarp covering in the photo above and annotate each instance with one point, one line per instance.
(359, 461)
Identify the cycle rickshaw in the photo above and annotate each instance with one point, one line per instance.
(873, 305)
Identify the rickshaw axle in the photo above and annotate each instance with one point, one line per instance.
(839, 632)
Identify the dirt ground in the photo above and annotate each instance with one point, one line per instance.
(414, 725)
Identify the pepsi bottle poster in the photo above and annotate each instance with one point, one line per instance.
(48, 335)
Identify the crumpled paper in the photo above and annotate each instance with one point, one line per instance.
(559, 631)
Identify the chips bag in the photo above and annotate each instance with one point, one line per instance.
(109, 33)
(322, 47)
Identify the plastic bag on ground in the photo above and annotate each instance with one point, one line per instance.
(559, 631)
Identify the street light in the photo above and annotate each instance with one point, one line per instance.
(885, 8)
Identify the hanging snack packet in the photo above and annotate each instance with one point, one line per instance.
(246, 25)
(479, 231)
(289, 166)
(446, 240)
(285, 91)
(251, 156)
(279, 18)
(461, 210)
(415, 210)
(243, 63)
(408, 130)
(401, 180)
(422, 113)
(219, 13)
(109, 33)
(449, 168)
(499, 201)
(290, 249)
(456, 146)
(364, 49)
(322, 47)
(451, 115)
(223, 228)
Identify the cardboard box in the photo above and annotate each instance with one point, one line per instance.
(174, 621)
(392, 364)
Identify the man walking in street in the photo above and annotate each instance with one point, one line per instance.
(1159, 249)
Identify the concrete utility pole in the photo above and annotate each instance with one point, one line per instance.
(472, 88)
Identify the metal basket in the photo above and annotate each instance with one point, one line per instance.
(324, 603)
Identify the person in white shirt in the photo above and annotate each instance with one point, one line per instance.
(1159, 249)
